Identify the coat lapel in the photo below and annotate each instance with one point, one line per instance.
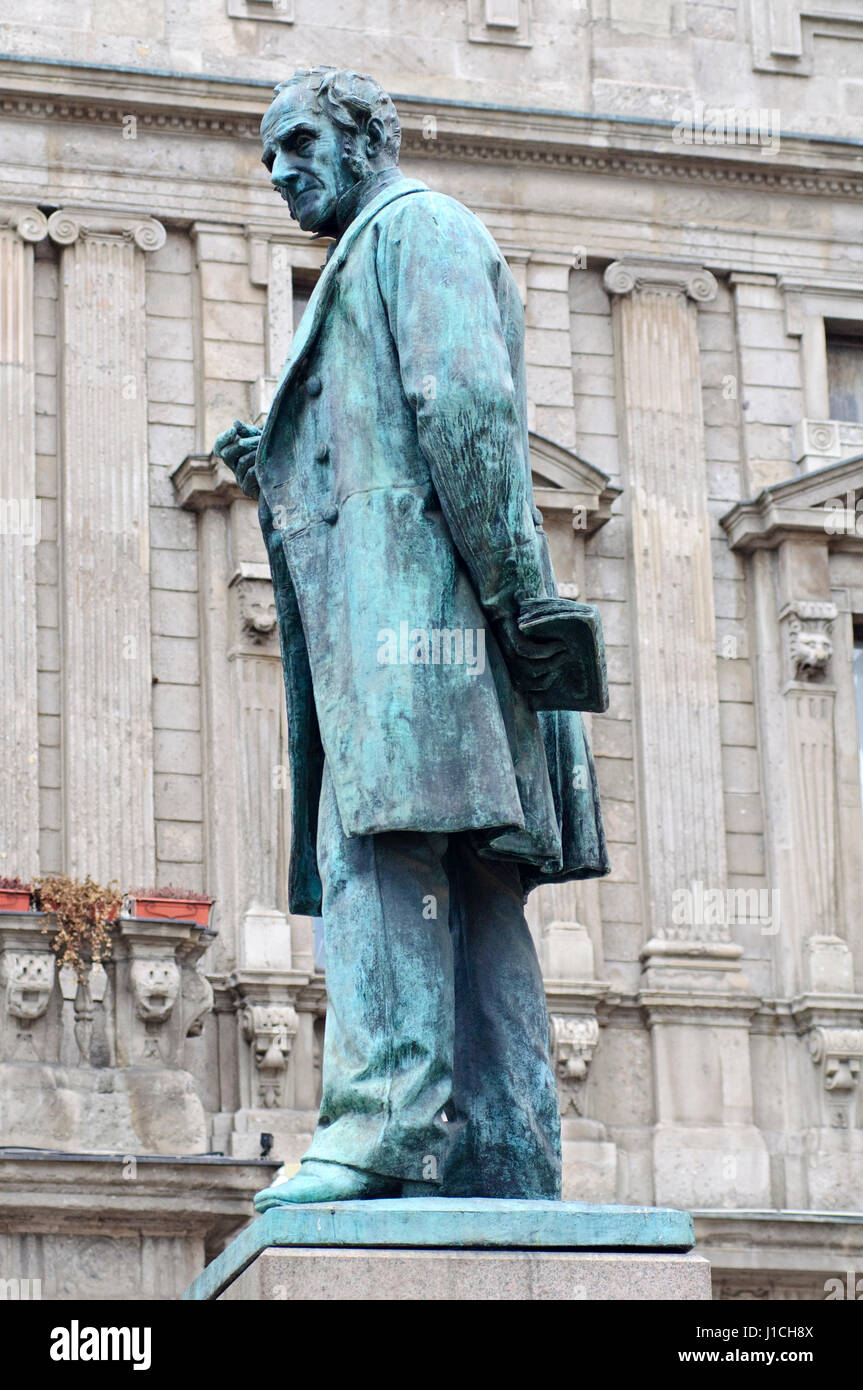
(313, 317)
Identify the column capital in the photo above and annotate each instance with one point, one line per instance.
(28, 222)
(66, 225)
(662, 277)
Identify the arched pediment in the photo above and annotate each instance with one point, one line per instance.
(562, 481)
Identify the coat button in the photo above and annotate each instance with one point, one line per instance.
(313, 385)
(331, 515)
(322, 453)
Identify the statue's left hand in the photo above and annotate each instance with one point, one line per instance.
(238, 446)
(532, 665)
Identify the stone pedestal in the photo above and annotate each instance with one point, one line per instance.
(459, 1248)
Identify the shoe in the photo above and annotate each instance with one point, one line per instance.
(326, 1182)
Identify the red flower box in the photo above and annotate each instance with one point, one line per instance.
(178, 909)
(14, 899)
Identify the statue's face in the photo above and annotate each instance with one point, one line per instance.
(304, 153)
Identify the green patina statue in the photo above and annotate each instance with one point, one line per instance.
(431, 786)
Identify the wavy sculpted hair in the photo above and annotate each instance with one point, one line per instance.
(351, 100)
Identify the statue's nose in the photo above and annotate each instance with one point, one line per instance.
(282, 174)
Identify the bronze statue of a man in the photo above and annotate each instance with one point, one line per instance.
(431, 789)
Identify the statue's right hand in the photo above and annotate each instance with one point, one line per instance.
(238, 446)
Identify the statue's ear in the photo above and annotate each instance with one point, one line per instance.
(376, 137)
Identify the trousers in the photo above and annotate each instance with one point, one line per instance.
(436, 1062)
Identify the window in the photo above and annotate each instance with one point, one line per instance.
(304, 282)
(858, 691)
(845, 370)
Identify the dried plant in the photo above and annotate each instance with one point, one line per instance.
(85, 913)
(16, 884)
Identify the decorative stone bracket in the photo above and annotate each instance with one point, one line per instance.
(28, 978)
(839, 1052)
(137, 1008)
(271, 1029)
(256, 607)
(829, 1017)
(809, 633)
(574, 1038)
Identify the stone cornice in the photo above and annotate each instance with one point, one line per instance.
(565, 482)
(797, 507)
(622, 147)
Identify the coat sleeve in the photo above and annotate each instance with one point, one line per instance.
(441, 282)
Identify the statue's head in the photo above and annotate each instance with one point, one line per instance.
(326, 130)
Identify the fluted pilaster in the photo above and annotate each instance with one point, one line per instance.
(107, 720)
(673, 616)
(19, 533)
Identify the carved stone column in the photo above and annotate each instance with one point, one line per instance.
(265, 953)
(245, 735)
(706, 1148)
(19, 532)
(665, 490)
(108, 733)
(803, 636)
(258, 699)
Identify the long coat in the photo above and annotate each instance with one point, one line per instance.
(396, 504)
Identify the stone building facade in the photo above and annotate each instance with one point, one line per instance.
(678, 188)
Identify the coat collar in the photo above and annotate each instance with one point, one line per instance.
(313, 316)
(351, 204)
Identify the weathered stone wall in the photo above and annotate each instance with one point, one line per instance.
(676, 291)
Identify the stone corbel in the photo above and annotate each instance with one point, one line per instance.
(28, 978)
(838, 1053)
(155, 987)
(574, 1039)
(808, 625)
(573, 995)
(256, 608)
(160, 994)
(271, 1029)
(829, 1017)
(205, 480)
